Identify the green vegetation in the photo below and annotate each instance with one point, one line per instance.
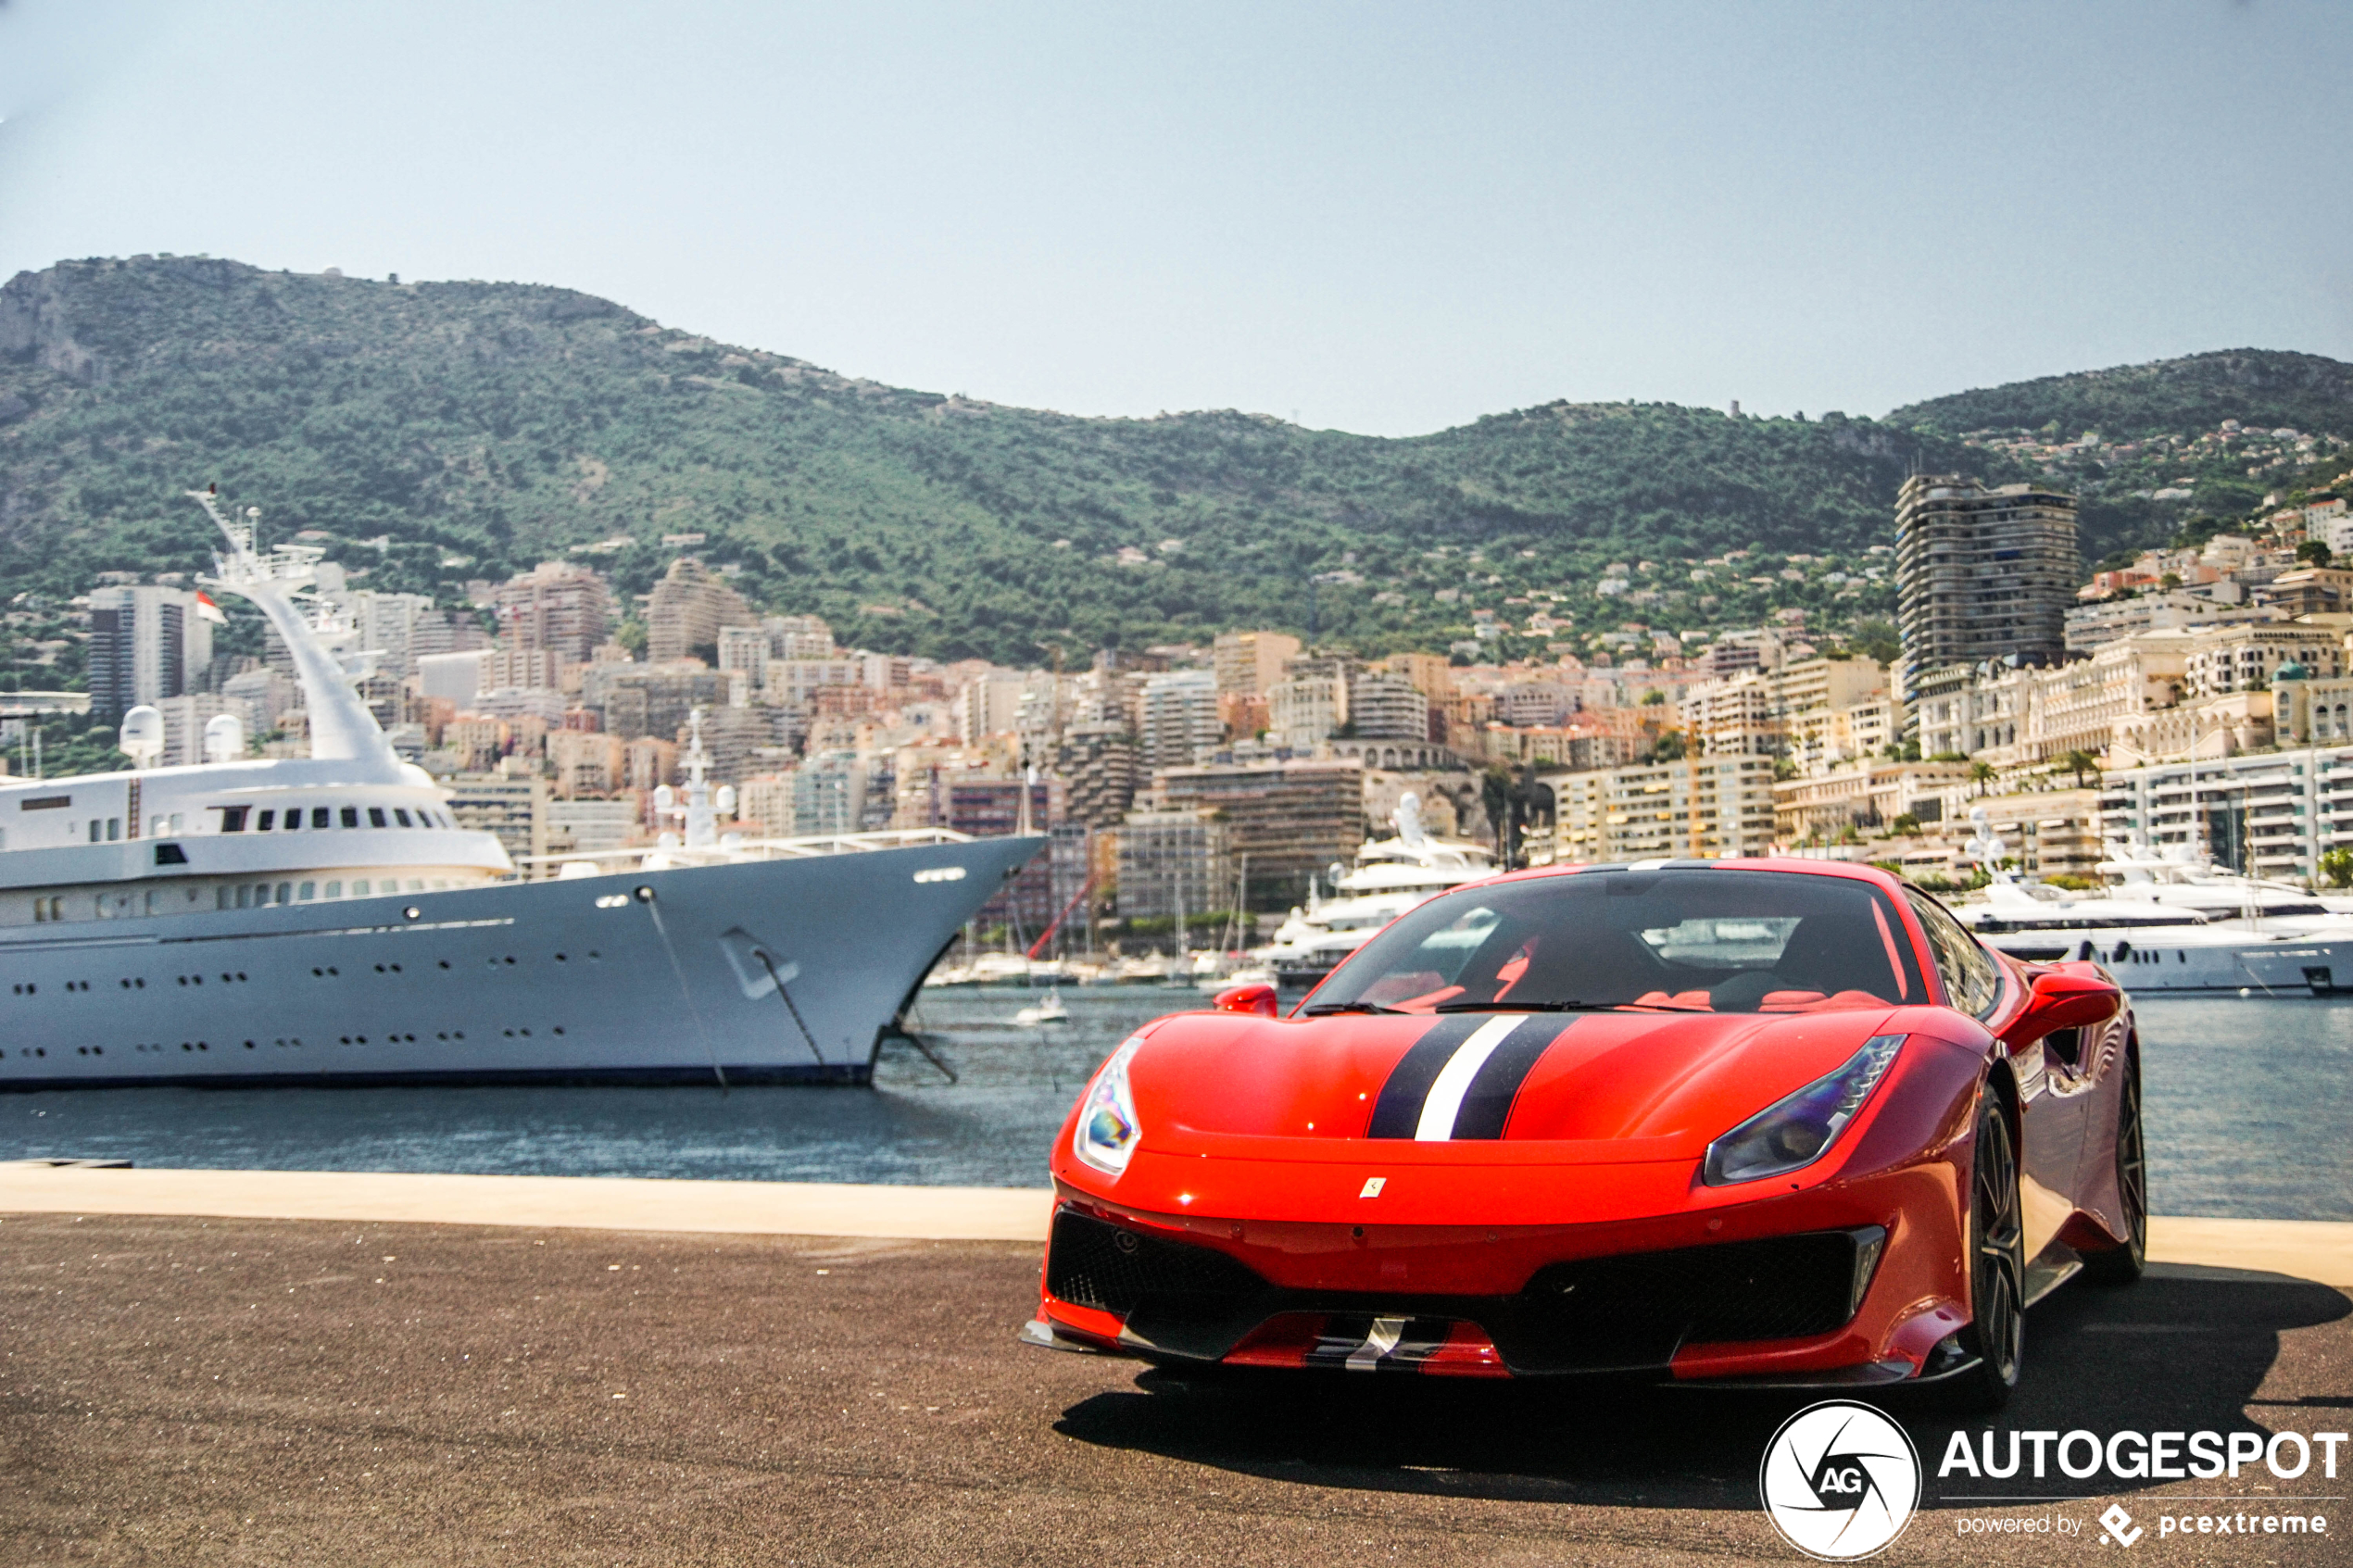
(441, 432)
(2173, 396)
(438, 432)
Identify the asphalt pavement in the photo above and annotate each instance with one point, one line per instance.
(262, 1391)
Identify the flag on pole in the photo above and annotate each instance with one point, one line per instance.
(207, 610)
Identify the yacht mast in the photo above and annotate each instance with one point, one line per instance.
(342, 729)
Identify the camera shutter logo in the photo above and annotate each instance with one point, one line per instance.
(1840, 1480)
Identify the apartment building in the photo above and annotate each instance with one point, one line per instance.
(2274, 814)
(1307, 708)
(1696, 808)
(1247, 663)
(687, 610)
(1982, 576)
(2091, 626)
(1292, 818)
(1177, 718)
(1172, 861)
(558, 605)
(515, 809)
(1385, 706)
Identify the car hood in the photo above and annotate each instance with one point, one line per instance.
(1665, 1080)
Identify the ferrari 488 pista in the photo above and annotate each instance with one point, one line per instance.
(1767, 1122)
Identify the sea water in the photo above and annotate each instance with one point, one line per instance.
(2249, 1108)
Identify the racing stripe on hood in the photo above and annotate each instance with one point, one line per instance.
(1488, 1103)
(1399, 1109)
(1459, 1079)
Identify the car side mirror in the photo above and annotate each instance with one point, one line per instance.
(2074, 996)
(1259, 999)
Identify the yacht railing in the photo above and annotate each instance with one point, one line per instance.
(661, 857)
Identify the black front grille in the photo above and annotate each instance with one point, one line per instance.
(1095, 1264)
(1628, 1312)
(1647, 1305)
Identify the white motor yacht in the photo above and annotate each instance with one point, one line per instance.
(2152, 944)
(1392, 875)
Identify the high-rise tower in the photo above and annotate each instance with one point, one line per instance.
(1982, 574)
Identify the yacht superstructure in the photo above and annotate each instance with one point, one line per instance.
(1390, 876)
(2254, 939)
(328, 919)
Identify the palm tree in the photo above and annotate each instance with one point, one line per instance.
(2080, 763)
(1982, 775)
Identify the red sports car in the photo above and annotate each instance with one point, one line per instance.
(1768, 1121)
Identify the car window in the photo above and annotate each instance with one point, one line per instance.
(1681, 939)
(1972, 978)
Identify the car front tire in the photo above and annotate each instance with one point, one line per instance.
(2122, 1265)
(1995, 1336)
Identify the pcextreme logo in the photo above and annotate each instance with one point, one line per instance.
(1840, 1480)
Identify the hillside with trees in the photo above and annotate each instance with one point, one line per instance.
(442, 431)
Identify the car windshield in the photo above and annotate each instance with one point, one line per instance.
(1677, 940)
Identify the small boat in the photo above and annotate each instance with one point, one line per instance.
(1051, 1010)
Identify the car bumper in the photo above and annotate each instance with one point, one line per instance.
(1852, 1281)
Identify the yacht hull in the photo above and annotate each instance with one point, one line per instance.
(782, 971)
(2199, 963)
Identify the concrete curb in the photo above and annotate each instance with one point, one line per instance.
(614, 1203)
(2313, 1250)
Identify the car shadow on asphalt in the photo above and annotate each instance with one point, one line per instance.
(2187, 1349)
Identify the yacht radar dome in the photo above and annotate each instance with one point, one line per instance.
(224, 738)
(142, 737)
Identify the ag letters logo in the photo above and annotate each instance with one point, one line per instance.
(1840, 1480)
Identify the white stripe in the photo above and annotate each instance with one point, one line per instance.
(1445, 1099)
(1386, 1333)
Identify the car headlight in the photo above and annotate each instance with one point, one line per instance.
(1799, 1130)
(1108, 1130)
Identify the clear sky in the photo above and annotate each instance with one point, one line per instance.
(1385, 219)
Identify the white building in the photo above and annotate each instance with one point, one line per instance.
(1304, 710)
(1178, 718)
(1387, 707)
(591, 827)
(2274, 813)
(989, 705)
(2091, 626)
(453, 676)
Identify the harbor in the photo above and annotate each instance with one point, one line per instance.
(1523, 839)
(2246, 1100)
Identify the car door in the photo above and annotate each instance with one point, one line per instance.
(1979, 985)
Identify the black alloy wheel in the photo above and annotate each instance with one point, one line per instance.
(2122, 1265)
(1995, 1336)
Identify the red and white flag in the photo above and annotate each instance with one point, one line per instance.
(207, 610)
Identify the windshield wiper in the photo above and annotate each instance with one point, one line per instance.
(1527, 1007)
(1328, 1008)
